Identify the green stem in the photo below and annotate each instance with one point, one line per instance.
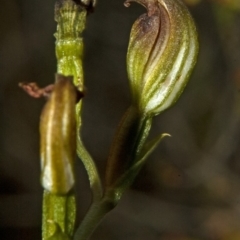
(96, 213)
(127, 145)
(71, 18)
(58, 212)
(93, 176)
(129, 139)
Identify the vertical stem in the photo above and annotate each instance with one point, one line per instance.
(96, 213)
(58, 211)
(71, 18)
(93, 176)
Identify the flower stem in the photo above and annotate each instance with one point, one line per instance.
(93, 175)
(58, 211)
(95, 214)
(129, 139)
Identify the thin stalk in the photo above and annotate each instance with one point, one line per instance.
(71, 18)
(95, 214)
(93, 176)
(129, 139)
(59, 212)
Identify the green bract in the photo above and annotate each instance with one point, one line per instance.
(161, 55)
(58, 137)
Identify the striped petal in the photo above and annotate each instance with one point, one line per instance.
(161, 55)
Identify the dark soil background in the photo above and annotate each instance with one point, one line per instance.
(189, 188)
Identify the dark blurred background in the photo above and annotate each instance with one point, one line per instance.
(189, 188)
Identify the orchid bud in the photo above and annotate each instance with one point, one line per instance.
(161, 55)
(58, 137)
(71, 18)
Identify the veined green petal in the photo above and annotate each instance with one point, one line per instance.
(161, 54)
(142, 37)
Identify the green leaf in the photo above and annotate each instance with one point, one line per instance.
(149, 147)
